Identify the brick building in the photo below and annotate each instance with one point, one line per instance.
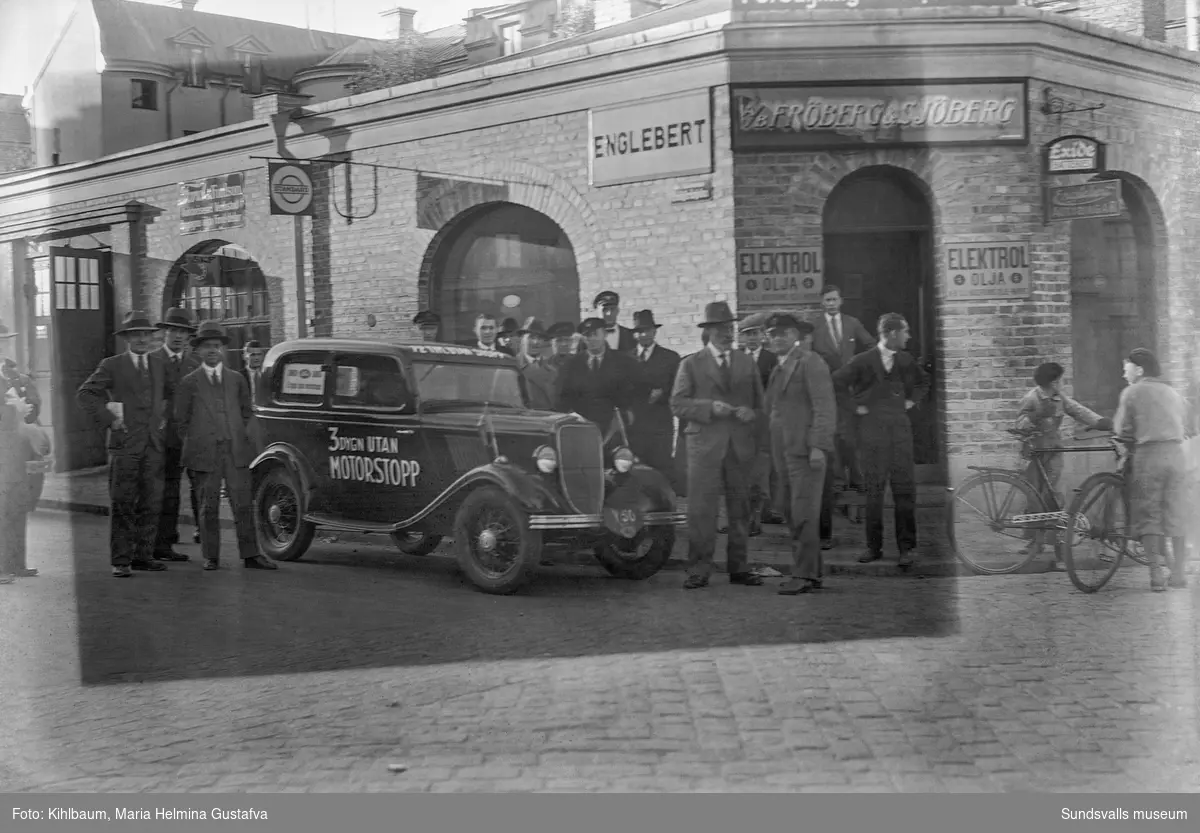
(16, 149)
(681, 156)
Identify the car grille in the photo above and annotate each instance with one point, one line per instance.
(581, 467)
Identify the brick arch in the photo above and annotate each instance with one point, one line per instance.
(920, 167)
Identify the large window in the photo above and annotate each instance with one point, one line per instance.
(510, 38)
(145, 94)
(194, 73)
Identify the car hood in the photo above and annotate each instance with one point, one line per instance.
(504, 421)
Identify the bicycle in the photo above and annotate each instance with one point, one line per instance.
(997, 518)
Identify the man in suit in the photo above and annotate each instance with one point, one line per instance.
(617, 337)
(429, 323)
(802, 410)
(538, 377)
(837, 339)
(653, 432)
(599, 380)
(719, 392)
(176, 328)
(485, 333)
(883, 385)
(507, 337)
(253, 354)
(212, 408)
(762, 506)
(124, 394)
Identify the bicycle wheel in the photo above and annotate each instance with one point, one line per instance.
(992, 520)
(1099, 539)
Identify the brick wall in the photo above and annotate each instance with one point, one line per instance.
(1133, 17)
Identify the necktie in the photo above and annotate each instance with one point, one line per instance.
(593, 363)
(837, 329)
(645, 355)
(141, 363)
(725, 372)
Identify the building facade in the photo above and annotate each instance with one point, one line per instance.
(680, 157)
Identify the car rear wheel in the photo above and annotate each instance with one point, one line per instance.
(282, 533)
(415, 542)
(496, 548)
(639, 557)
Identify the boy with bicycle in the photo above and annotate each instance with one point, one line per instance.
(1041, 412)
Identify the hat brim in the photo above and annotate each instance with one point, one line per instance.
(163, 325)
(125, 330)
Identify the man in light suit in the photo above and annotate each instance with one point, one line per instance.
(719, 392)
(212, 407)
(124, 394)
(252, 359)
(652, 435)
(538, 377)
(802, 410)
(177, 327)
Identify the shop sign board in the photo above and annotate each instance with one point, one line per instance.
(291, 188)
(784, 277)
(1074, 155)
(884, 115)
(860, 5)
(980, 270)
(212, 204)
(1085, 201)
(656, 138)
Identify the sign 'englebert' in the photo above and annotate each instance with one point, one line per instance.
(988, 269)
(780, 277)
(653, 139)
(291, 188)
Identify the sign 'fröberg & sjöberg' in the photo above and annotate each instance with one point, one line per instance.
(879, 115)
(988, 269)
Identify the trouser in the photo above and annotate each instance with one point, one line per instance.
(135, 490)
(655, 449)
(168, 520)
(847, 461)
(886, 451)
(705, 484)
(761, 498)
(1047, 488)
(237, 484)
(803, 487)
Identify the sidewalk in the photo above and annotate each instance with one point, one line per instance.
(87, 491)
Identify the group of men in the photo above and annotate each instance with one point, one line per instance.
(771, 429)
(166, 410)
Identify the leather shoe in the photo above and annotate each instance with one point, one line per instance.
(906, 559)
(797, 586)
(772, 518)
(829, 543)
(868, 556)
(695, 582)
(211, 564)
(149, 566)
(259, 562)
(748, 579)
(170, 555)
(122, 572)
(722, 530)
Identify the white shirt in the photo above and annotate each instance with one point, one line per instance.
(753, 354)
(644, 353)
(717, 353)
(491, 346)
(835, 325)
(171, 354)
(598, 359)
(889, 357)
(613, 337)
(140, 361)
(214, 373)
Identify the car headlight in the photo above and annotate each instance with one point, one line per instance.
(547, 459)
(623, 460)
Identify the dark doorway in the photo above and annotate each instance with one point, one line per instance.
(878, 251)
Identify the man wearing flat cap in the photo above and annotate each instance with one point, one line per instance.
(538, 378)
(802, 410)
(599, 380)
(615, 336)
(429, 323)
(653, 431)
(124, 395)
(719, 392)
(177, 327)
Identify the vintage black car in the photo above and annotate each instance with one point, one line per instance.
(425, 441)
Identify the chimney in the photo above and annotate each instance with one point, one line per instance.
(400, 21)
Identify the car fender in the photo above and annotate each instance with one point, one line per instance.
(534, 496)
(647, 489)
(292, 460)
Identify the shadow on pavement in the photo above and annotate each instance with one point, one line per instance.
(361, 606)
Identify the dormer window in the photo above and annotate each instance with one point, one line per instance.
(145, 94)
(194, 73)
(510, 38)
(253, 77)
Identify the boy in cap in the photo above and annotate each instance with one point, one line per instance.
(176, 327)
(615, 336)
(124, 394)
(429, 323)
(653, 431)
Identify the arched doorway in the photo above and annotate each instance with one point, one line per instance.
(1113, 297)
(507, 260)
(878, 226)
(220, 281)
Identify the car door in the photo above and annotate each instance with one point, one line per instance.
(297, 412)
(371, 440)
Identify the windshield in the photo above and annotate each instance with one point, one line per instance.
(467, 384)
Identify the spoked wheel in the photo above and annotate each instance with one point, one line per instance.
(1100, 515)
(639, 557)
(996, 522)
(496, 548)
(282, 533)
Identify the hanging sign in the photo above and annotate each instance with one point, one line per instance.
(1074, 155)
(212, 204)
(291, 188)
(780, 277)
(1086, 201)
(988, 269)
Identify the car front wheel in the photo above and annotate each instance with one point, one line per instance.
(282, 533)
(496, 548)
(639, 557)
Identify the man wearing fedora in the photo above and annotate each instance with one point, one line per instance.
(125, 395)
(539, 378)
(802, 415)
(429, 323)
(507, 337)
(653, 431)
(177, 327)
(212, 408)
(719, 392)
(599, 380)
(615, 336)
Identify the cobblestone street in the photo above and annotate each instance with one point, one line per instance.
(320, 676)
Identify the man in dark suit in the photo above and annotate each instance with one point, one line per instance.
(762, 506)
(802, 410)
(507, 337)
(429, 323)
(883, 385)
(617, 337)
(252, 359)
(653, 431)
(719, 392)
(485, 333)
(599, 380)
(539, 379)
(212, 408)
(839, 338)
(124, 394)
(177, 328)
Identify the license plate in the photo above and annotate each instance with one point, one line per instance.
(623, 522)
